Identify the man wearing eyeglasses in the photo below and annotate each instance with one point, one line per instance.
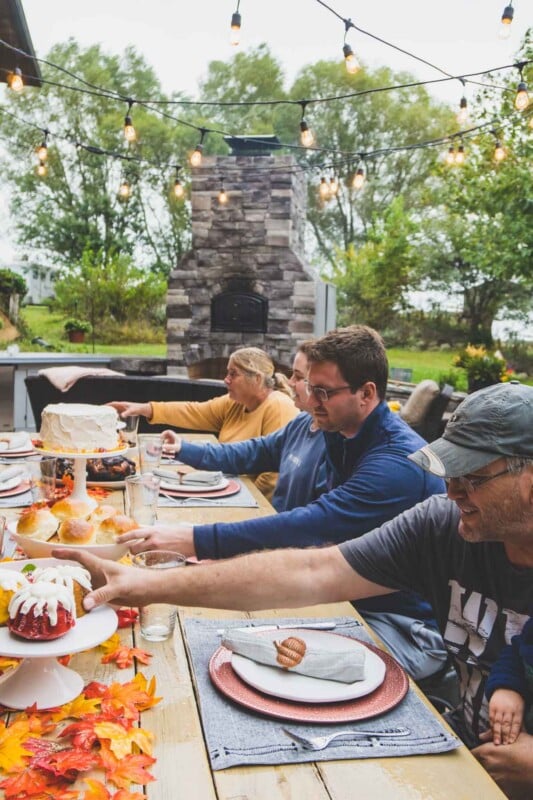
(470, 554)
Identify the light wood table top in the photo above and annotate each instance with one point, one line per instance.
(182, 769)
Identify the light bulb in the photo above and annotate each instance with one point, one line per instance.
(179, 191)
(462, 114)
(235, 33)
(42, 152)
(521, 100)
(499, 152)
(333, 186)
(41, 169)
(450, 156)
(460, 155)
(507, 18)
(350, 60)
(196, 156)
(14, 80)
(306, 134)
(324, 189)
(359, 179)
(130, 134)
(222, 196)
(124, 192)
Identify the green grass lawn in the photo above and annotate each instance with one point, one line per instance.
(49, 326)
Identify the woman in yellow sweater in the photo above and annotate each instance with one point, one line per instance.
(259, 401)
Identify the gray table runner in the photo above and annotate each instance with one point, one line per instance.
(17, 501)
(236, 735)
(242, 499)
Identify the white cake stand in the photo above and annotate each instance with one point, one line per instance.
(79, 490)
(40, 679)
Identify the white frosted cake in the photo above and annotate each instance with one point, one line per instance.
(78, 428)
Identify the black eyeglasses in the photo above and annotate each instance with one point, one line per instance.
(471, 484)
(321, 394)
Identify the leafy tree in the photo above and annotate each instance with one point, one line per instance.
(476, 237)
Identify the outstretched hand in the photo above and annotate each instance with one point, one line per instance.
(127, 409)
(171, 442)
(178, 537)
(112, 582)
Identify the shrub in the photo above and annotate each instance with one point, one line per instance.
(76, 325)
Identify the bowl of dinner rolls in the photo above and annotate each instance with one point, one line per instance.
(72, 523)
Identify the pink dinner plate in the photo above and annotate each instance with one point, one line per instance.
(384, 698)
(232, 488)
(17, 453)
(23, 486)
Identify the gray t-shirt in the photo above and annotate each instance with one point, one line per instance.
(479, 598)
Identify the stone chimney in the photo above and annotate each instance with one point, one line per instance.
(245, 282)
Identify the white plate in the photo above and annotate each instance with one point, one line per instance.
(13, 483)
(118, 451)
(197, 487)
(17, 453)
(34, 548)
(301, 688)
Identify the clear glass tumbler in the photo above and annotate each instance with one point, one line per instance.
(157, 620)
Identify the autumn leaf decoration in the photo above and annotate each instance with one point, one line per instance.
(123, 656)
(103, 735)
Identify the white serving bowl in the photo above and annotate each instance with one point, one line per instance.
(34, 548)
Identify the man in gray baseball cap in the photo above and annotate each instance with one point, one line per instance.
(469, 553)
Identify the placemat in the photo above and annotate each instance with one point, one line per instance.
(236, 735)
(243, 499)
(18, 501)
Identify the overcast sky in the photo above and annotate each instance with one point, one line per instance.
(178, 38)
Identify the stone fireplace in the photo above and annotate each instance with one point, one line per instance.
(245, 282)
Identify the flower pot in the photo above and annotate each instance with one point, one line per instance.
(76, 336)
(480, 383)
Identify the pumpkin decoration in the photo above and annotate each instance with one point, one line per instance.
(290, 652)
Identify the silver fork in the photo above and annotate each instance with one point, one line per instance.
(321, 742)
(181, 501)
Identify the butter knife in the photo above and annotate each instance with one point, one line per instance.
(311, 626)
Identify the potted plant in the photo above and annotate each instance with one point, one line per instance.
(76, 329)
(482, 367)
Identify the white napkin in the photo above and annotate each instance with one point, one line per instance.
(346, 664)
(8, 474)
(202, 477)
(15, 441)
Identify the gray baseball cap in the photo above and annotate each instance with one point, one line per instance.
(488, 424)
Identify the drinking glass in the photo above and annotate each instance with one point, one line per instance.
(150, 450)
(3, 523)
(157, 620)
(142, 492)
(128, 430)
(42, 477)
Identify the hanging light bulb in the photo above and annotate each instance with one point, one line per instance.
(333, 186)
(14, 80)
(222, 195)
(307, 137)
(507, 18)
(235, 33)
(42, 150)
(324, 189)
(460, 156)
(350, 60)
(450, 156)
(521, 100)
(179, 191)
(124, 191)
(499, 151)
(196, 155)
(359, 179)
(41, 169)
(130, 134)
(462, 114)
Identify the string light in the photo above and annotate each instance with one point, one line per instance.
(460, 155)
(499, 151)
(124, 191)
(179, 191)
(462, 114)
(350, 60)
(333, 186)
(195, 158)
(323, 189)
(450, 156)
(222, 195)
(41, 169)
(359, 179)
(521, 100)
(235, 33)
(507, 18)
(14, 80)
(307, 137)
(130, 134)
(42, 150)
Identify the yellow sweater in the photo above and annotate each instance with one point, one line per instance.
(231, 422)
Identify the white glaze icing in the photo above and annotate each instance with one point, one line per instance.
(63, 575)
(42, 598)
(11, 581)
(78, 427)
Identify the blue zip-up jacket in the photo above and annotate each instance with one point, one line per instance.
(295, 451)
(370, 481)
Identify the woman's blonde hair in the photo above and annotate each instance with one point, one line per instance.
(254, 361)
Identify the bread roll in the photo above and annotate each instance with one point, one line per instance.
(102, 512)
(76, 531)
(112, 527)
(38, 523)
(70, 508)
